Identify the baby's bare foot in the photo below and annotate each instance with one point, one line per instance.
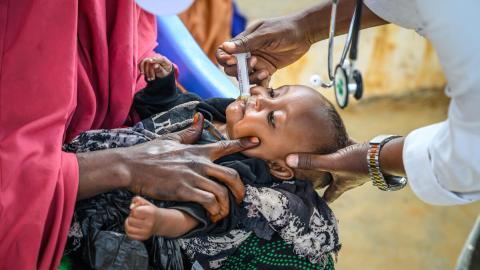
(145, 220)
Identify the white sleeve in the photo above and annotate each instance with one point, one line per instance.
(400, 12)
(442, 161)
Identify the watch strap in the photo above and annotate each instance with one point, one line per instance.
(382, 181)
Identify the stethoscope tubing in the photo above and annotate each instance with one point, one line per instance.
(352, 38)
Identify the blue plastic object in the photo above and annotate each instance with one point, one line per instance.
(239, 22)
(197, 73)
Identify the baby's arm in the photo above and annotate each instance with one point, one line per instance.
(161, 92)
(145, 220)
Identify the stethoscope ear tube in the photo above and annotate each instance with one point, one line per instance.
(356, 30)
(345, 79)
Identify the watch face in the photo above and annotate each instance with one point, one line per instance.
(383, 138)
(341, 87)
(395, 183)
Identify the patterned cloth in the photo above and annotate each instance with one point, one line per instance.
(257, 253)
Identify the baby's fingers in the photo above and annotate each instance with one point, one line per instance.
(147, 68)
(143, 212)
(166, 64)
(162, 66)
(136, 233)
(160, 71)
(134, 222)
(151, 69)
(137, 201)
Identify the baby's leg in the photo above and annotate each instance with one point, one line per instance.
(145, 220)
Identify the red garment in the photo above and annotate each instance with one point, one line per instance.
(65, 67)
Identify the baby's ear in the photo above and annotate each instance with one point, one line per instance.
(280, 169)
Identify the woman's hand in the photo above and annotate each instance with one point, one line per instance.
(273, 44)
(167, 169)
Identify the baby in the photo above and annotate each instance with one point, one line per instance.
(290, 119)
(286, 120)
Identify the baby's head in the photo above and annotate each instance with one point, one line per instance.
(290, 119)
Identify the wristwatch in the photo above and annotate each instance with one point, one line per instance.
(382, 181)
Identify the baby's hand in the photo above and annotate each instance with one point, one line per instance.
(155, 67)
(141, 223)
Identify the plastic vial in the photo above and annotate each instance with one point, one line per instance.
(242, 71)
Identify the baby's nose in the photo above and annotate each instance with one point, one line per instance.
(262, 102)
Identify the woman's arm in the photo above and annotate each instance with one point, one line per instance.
(99, 172)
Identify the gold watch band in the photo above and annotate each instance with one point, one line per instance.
(373, 160)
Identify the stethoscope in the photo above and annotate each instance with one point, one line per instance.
(346, 79)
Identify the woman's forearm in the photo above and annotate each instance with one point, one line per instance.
(100, 171)
(316, 20)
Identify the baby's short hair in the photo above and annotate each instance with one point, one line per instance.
(340, 139)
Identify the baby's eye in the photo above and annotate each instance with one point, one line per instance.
(271, 118)
(271, 92)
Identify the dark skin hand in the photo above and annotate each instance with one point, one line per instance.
(278, 42)
(273, 44)
(168, 168)
(349, 166)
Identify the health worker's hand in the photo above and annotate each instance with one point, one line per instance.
(273, 44)
(348, 167)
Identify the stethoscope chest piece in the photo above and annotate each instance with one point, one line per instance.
(340, 86)
(357, 77)
(345, 85)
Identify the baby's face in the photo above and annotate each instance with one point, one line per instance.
(286, 120)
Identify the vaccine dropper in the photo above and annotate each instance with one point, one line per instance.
(242, 71)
